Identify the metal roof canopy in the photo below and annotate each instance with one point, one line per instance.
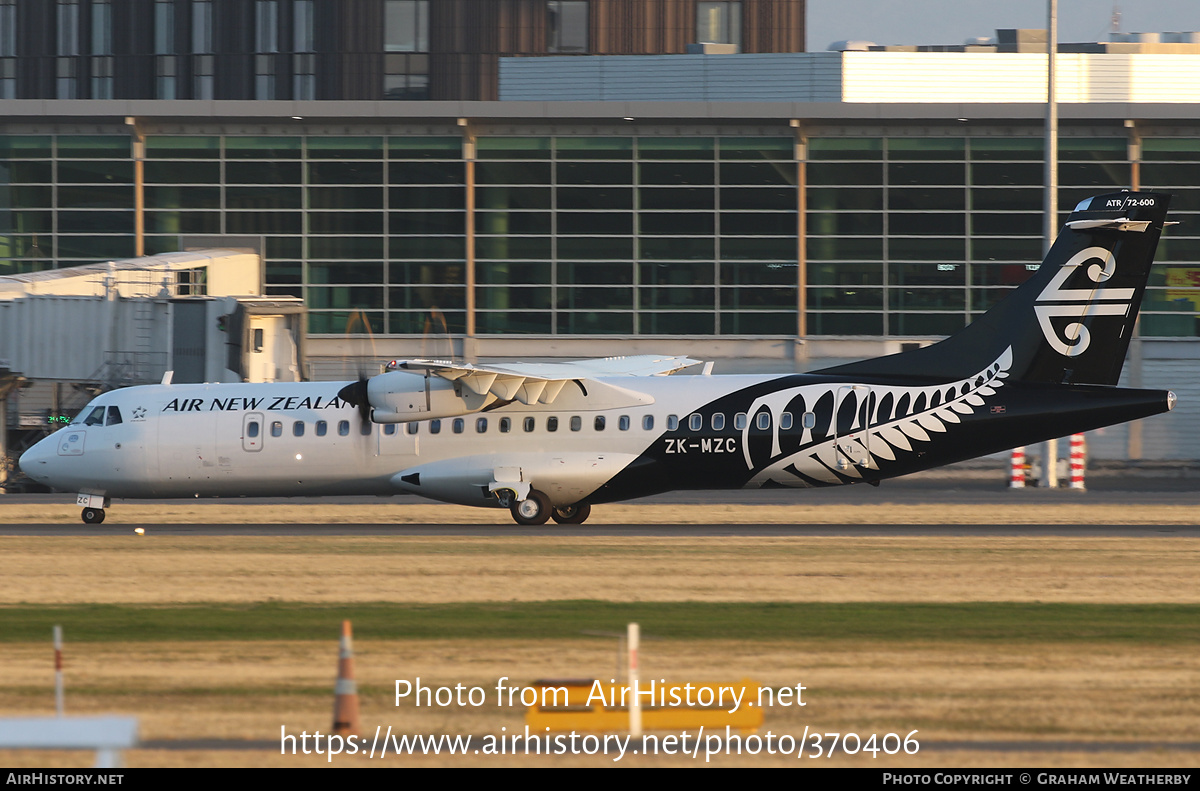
(228, 272)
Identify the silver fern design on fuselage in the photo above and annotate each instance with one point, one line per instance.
(865, 424)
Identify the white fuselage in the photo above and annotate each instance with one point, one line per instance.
(194, 440)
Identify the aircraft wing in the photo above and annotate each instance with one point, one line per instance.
(541, 382)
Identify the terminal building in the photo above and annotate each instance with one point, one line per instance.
(768, 233)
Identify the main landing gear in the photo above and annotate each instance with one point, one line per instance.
(536, 510)
(572, 514)
(93, 516)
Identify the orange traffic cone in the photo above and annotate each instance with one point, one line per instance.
(345, 694)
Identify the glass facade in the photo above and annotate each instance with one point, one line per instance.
(602, 234)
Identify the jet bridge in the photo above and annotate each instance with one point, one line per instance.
(69, 334)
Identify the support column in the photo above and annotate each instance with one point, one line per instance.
(469, 349)
(1050, 447)
(1134, 439)
(801, 154)
(139, 191)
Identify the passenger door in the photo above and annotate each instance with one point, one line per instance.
(253, 429)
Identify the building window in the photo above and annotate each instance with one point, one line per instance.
(8, 78)
(65, 78)
(164, 28)
(406, 26)
(567, 26)
(303, 34)
(101, 28)
(406, 76)
(8, 28)
(202, 27)
(202, 77)
(164, 67)
(304, 77)
(102, 78)
(719, 23)
(264, 77)
(266, 26)
(68, 27)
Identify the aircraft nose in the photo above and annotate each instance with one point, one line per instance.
(35, 462)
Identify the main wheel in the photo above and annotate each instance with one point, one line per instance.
(533, 510)
(93, 516)
(572, 514)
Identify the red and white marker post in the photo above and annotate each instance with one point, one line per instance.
(1016, 478)
(1078, 460)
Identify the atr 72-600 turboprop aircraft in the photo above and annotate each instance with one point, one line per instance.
(551, 440)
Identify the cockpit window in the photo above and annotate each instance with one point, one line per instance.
(95, 417)
(114, 416)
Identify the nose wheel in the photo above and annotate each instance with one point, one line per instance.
(93, 516)
(533, 510)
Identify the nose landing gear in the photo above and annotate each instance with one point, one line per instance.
(93, 507)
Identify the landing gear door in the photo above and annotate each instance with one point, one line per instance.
(853, 410)
(253, 429)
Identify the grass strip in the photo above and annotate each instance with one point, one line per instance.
(972, 621)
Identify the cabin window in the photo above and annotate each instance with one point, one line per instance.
(695, 421)
(365, 428)
(277, 428)
(322, 428)
(114, 416)
(648, 422)
(763, 420)
(459, 425)
(529, 423)
(718, 421)
(390, 429)
(95, 418)
(623, 422)
(343, 428)
(252, 429)
(298, 428)
(505, 425)
(435, 426)
(672, 422)
(481, 425)
(598, 423)
(412, 428)
(576, 422)
(809, 420)
(785, 421)
(552, 424)
(739, 421)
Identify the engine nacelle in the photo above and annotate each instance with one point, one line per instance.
(399, 397)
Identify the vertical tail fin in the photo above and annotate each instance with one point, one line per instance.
(1068, 324)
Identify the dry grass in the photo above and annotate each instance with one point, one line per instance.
(946, 692)
(1082, 691)
(124, 568)
(420, 512)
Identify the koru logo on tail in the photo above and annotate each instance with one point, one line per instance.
(1057, 301)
